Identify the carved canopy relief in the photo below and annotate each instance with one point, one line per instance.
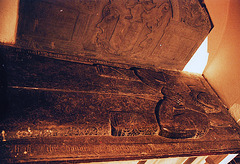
(153, 33)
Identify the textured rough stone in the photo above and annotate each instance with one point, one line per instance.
(59, 110)
(155, 34)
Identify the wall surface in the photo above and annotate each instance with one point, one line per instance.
(223, 68)
(8, 23)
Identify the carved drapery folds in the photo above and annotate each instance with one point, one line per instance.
(104, 101)
(79, 89)
(58, 110)
(128, 28)
(152, 33)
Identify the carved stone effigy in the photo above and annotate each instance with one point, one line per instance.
(152, 34)
(59, 110)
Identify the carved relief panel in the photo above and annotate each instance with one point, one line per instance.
(154, 33)
(59, 110)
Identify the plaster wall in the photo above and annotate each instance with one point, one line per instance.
(223, 68)
(8, 23)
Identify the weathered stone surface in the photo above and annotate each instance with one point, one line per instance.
(59, 110)
(156, 34)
